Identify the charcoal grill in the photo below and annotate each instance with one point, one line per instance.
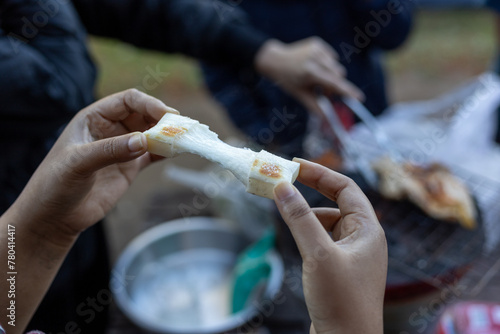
(427, 254)
(422, 249)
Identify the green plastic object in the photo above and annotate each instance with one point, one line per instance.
(252, 269)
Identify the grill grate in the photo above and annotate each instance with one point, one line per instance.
(428, 250)
(423, 248)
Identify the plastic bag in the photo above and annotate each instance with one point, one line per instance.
(457, 130)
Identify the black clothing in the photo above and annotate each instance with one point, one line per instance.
(47, 75)
(357, 29)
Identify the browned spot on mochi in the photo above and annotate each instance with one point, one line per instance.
(171, 131)
(270, 170)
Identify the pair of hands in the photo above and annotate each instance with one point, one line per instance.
(99, 154)
(300, 68)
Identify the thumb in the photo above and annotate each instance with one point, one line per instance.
(306, 229)
(101, 153)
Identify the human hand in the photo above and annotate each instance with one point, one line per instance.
(303, 66)
(344, 278)
(90, 166)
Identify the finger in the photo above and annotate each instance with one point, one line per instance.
(119, 106)
(335, 186)
(328, 217)
(136, 122)
(93, 156)
(335, 84)
(303, 223)
(345, 87)
(330, 64)
(323, 46)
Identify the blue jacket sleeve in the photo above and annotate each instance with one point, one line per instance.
(386, 23)
(208, 30)
(46, 74)
(494, 4)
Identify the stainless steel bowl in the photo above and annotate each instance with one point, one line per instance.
(176, 278)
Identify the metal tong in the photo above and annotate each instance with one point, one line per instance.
(349, 148)
(372, 124)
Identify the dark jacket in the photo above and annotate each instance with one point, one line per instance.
(47, 75)
(358, 30)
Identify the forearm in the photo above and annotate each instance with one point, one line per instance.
(196, 28)
(386, 24)
(35, 260)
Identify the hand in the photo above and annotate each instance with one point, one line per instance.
(91, 165)
(344, 277)
(301, 67)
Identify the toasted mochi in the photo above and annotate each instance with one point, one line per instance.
(433, 188)
(259, 172)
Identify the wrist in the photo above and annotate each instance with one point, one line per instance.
(40, 229)
(269, 57)
(362, 320)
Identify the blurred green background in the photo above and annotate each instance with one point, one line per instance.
(445, 48)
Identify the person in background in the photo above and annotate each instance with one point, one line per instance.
(97, 157)
(47, 74)
(354, 34)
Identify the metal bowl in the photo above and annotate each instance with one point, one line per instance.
(176, 278)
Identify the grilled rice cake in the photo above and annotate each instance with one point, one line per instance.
(433, 188)
(258, 171)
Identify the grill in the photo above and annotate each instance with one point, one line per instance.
(423, 250)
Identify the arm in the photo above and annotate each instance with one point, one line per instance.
(201, 29)
(219, 35)
(83, 176)
(344, 275)
(494, 5)
(387, 23)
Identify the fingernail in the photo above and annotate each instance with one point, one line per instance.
(284, 190)
(136, 142)
(173, 111)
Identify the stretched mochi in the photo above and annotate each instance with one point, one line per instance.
(259, 172)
